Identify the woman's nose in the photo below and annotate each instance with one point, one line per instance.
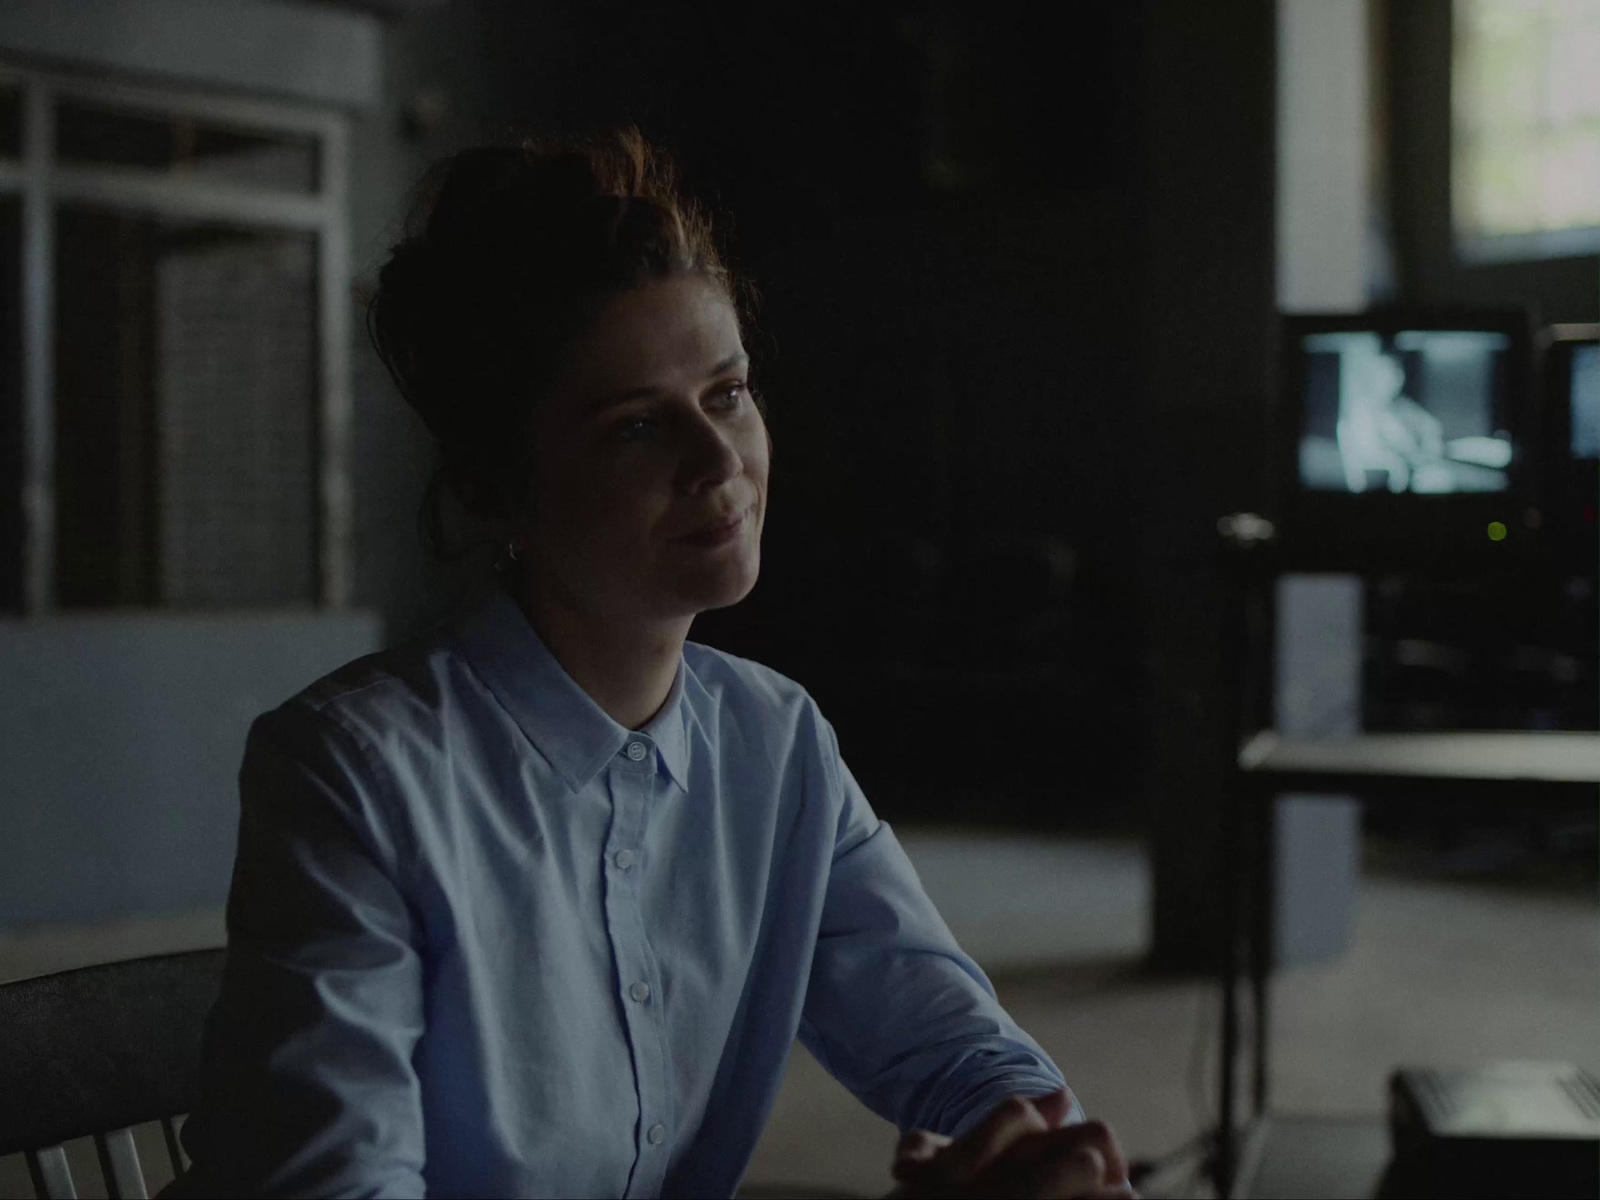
(710, 457)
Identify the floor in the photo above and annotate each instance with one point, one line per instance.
(1440, 972)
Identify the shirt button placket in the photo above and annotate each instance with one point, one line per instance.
(634, 958)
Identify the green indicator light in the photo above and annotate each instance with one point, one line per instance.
(1497, 531)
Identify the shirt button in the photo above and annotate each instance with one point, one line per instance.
(636, 751)
(640, 991)
(657, 1134)
(623, 859)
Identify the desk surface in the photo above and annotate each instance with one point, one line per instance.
(1546, 757)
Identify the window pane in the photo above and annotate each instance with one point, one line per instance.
(185, 402)
(89, 134)
(10, 122)
(1526, 100)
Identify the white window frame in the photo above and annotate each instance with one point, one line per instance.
(42, 183)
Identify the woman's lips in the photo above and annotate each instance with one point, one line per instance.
(717, 534)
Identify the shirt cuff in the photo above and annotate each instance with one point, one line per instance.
(996, 1094)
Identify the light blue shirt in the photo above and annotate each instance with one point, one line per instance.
(485, 941)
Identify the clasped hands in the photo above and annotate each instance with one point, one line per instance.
(1020, 1149)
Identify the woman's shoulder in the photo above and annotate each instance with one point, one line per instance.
(392, 692)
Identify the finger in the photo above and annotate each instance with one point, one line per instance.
(1074, 1176)
(1079, 1174)
(1054, 1107)
(920, 1143)
(1110, 1150)
(1068, 1139)
(916, 1153)
(1013, 1119)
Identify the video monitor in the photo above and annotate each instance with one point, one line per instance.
(1404, 435)
(1417, 410)
(1583, 399)
(1569, 483)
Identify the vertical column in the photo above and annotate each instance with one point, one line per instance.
(38, 350)
(1325, 209)
(1324, 177)
(1316, 855)
(336, 510)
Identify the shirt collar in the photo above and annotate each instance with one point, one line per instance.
(562, 721)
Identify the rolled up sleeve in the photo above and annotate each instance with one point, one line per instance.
(895, 1009)
(307, 1085)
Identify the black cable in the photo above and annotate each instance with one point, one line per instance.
(1208, 1125)
(1204, 1137)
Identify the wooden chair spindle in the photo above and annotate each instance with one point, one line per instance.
(180, 1160)
(52, 1178)
(119, 1163)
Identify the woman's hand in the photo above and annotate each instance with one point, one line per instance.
(1018, 1150)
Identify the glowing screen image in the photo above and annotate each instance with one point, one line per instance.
(1420, 411)
(1586, 400)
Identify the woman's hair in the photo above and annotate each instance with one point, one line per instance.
(510, 252)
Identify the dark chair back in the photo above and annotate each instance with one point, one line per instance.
(96, 1051)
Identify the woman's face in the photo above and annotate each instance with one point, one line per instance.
(650, 438)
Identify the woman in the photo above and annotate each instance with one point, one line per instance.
(537, 904)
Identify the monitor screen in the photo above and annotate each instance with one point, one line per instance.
(1411, 411)
(1585, 400)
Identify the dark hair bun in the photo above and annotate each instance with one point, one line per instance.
(510, 250)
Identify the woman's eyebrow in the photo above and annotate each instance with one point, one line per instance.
(639, 393)
(733, 360)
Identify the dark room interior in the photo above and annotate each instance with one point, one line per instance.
(1254, 764)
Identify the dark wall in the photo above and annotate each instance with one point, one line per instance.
(1207, 300)
(1013, 271)
(432, 104)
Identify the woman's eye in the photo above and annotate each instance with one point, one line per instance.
(726, 399)
(632, 431)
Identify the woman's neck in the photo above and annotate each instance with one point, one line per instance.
(627, 669)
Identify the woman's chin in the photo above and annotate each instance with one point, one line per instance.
(721, 588)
